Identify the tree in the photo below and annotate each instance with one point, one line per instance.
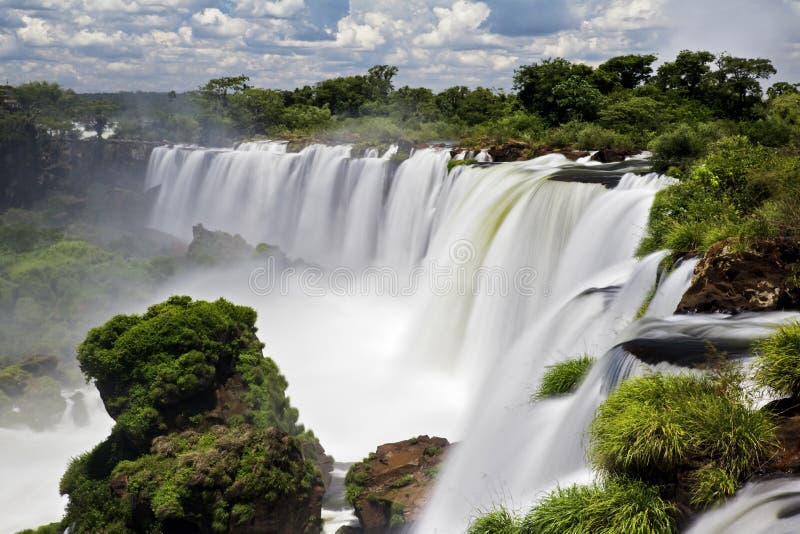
(535, 83)
(414, 103)
(630, 70)
(686, 74)
(782, 88)
(736, 87)
(257, 110)
(95, 115)
(379, 80)
(575, 99)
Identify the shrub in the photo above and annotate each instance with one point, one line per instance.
(679, 146)
(634, 115)
(498, 521)
(562, 378)
(660, 427)
(594, 137)
(778, 362)
(618, 505)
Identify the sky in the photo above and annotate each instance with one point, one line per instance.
(162, 45)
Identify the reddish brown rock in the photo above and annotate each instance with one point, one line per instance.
(763, 277)
(391, 486)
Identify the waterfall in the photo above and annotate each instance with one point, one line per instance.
(538, 263)
(767, 507)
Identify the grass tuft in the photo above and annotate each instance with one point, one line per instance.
(498, 521)
(618, 505)
(562, 378)
(660, 427)
(778, 362)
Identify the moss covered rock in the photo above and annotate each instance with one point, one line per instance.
(205, 439)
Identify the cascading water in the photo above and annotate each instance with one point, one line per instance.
(522, 253)
(498, 271)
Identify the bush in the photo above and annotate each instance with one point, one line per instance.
(618, 505)
(778, 362)
(564, 377)
(661, 427)
(154, 369)
(723, 197)
(498, 521)
(680, 146)
(594, 137)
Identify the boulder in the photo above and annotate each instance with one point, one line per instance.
(610, 155)
(210, 247)
(390, 487)
(510, 151)
(732, 278)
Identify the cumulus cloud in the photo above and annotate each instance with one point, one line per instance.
(214, 22)
(278, 8)
(36, 32)
(179, 44)
(455, 23)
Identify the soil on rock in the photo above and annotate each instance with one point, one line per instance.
(390, 488)
(763, 277)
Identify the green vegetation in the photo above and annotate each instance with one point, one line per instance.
(456, 162)
(402, 481)
(714, 436)
(205, 437)
(664, 446)
(563, 377)
(30, 391)
(616, 505)
(739, 189)
(778, 362)
(354, 480)
(498, 521)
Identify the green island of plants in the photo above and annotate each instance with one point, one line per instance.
(564, 377)
(667, 446)
(205, 439)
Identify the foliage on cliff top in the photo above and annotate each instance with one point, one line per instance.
(161, 369)
(740, 189)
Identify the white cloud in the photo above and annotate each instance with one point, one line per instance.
(36, 32)
(215, 22)
(178, 44)
(350, 34)
(622, 15)
(96, 38)
(277, 8)
(459, 22)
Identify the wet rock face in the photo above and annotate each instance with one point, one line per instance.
(764, 277)
(390, 488)
(610, 155)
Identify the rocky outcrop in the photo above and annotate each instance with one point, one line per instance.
(390, 487)
(735, 277)
(205, 439)
(610, 155)
(214, 247)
